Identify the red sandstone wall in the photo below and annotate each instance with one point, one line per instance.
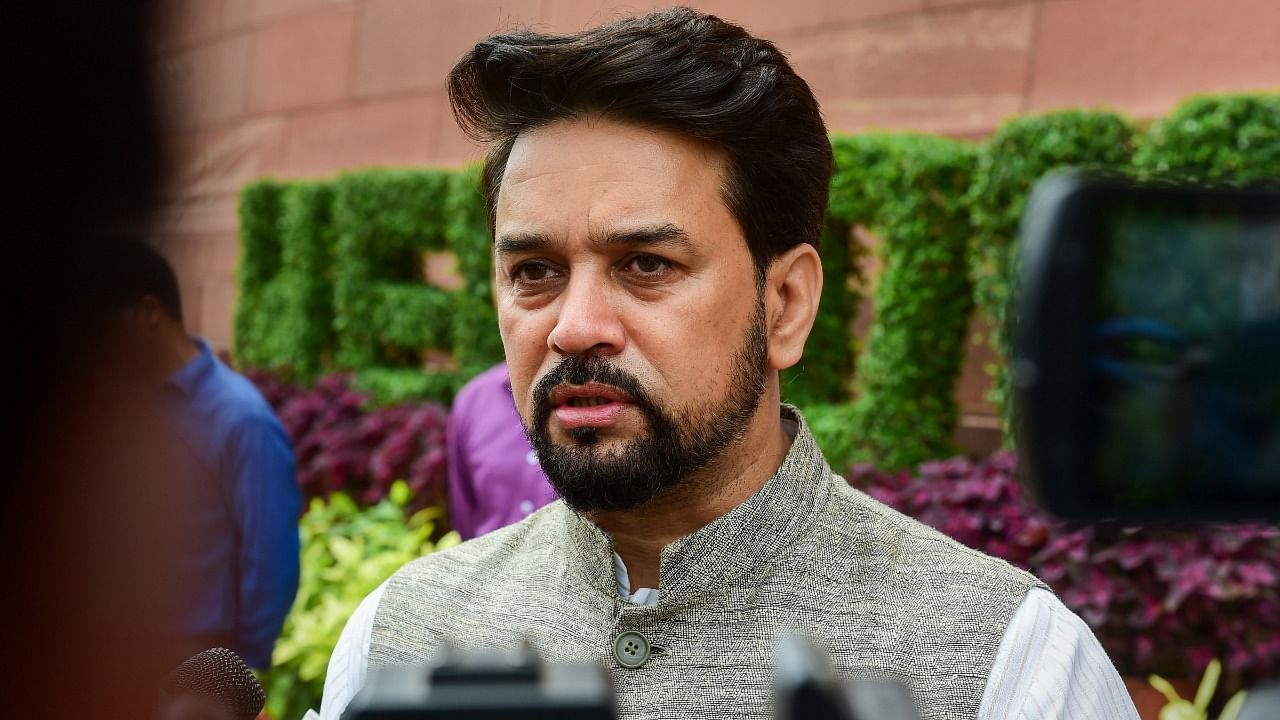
(307, 87)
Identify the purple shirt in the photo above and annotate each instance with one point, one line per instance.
(494, 477)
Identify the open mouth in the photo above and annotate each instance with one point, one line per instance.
(587, 401)
(592, 405)
(587, 396)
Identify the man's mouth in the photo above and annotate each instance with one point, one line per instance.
(588, 406)
(587, 401)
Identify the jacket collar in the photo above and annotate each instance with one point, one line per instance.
(190, 376)
(741, 543)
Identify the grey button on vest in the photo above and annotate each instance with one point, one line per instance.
(631, 649)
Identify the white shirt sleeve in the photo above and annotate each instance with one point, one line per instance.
(350, 660)
(1049, 665)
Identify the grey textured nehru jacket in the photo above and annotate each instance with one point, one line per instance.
(886, 596)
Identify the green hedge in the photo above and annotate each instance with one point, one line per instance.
(1215, 138)
(331, 277)
(824, 374)
(1022, 151)
(909, 191)
(284, 318)
(386, 319)
(260, 262)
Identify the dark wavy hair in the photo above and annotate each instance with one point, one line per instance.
(677, 70)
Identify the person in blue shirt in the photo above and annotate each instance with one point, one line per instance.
(237, 571)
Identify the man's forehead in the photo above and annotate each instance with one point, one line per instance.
(601, 179)
(579, 145)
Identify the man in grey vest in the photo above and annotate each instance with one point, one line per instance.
(656, 190)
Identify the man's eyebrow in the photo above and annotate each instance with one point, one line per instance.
(658, 235)
(668, 234)
(519, 242)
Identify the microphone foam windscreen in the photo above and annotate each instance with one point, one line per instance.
(220, 677)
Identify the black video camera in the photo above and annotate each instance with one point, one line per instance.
(1147, 358)
(515, 683)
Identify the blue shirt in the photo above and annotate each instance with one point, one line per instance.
(241, 502)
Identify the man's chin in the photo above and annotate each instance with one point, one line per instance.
(598, 442)
(610, 438)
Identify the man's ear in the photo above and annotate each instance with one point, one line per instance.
(793, 286)
(150, 311)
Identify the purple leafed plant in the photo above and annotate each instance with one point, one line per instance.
(1160, 600)
(341, 443)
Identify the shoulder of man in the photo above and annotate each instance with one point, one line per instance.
(238, 402)
(511, 550)
(488, 385)
(906, 549)
(442, 594)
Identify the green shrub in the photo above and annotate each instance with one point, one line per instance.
(1215, 138)
(1020, 152)
(386, 317)
(347, 551)
(476, 342)
(385, 220)
(833, 429)
(284, 320)
(260, 261)
(331, 276)
(392, 386)
(910, 191)
(823, 375)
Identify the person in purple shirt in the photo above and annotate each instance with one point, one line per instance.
(494, 476)
(238, 499)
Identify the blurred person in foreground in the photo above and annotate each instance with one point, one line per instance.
(656, 190)
(87, 519)
(494, 476)
(238, 556)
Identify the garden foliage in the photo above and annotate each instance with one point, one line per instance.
(347, 551)
(287, 245)
(331, 272)
(332, 278)
(1160, 600)
(1215, 138)
(823, 375)
(342, 443)
(1022, 151)
(908, 190)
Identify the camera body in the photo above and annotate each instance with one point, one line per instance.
(487, 685)
(1146, 366)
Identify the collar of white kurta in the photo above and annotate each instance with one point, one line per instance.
(745, 542)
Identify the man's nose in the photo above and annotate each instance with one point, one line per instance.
(588, 320)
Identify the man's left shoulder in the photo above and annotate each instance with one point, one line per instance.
(905, 549)
(237, 402)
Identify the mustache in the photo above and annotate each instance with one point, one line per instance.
(582, 369)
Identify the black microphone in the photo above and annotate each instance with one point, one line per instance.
(212, 685)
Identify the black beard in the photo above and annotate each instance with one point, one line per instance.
(676, 446)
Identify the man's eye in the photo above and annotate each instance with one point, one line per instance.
(531, 272)
(649, 264)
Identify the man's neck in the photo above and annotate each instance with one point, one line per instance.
(640, 534)
(179, 349)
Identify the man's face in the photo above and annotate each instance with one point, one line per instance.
(133, 344)
(633, 326)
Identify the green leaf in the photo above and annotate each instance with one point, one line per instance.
(1208, 684)
(399, 493)
(1164, 688)
(1232, 709)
